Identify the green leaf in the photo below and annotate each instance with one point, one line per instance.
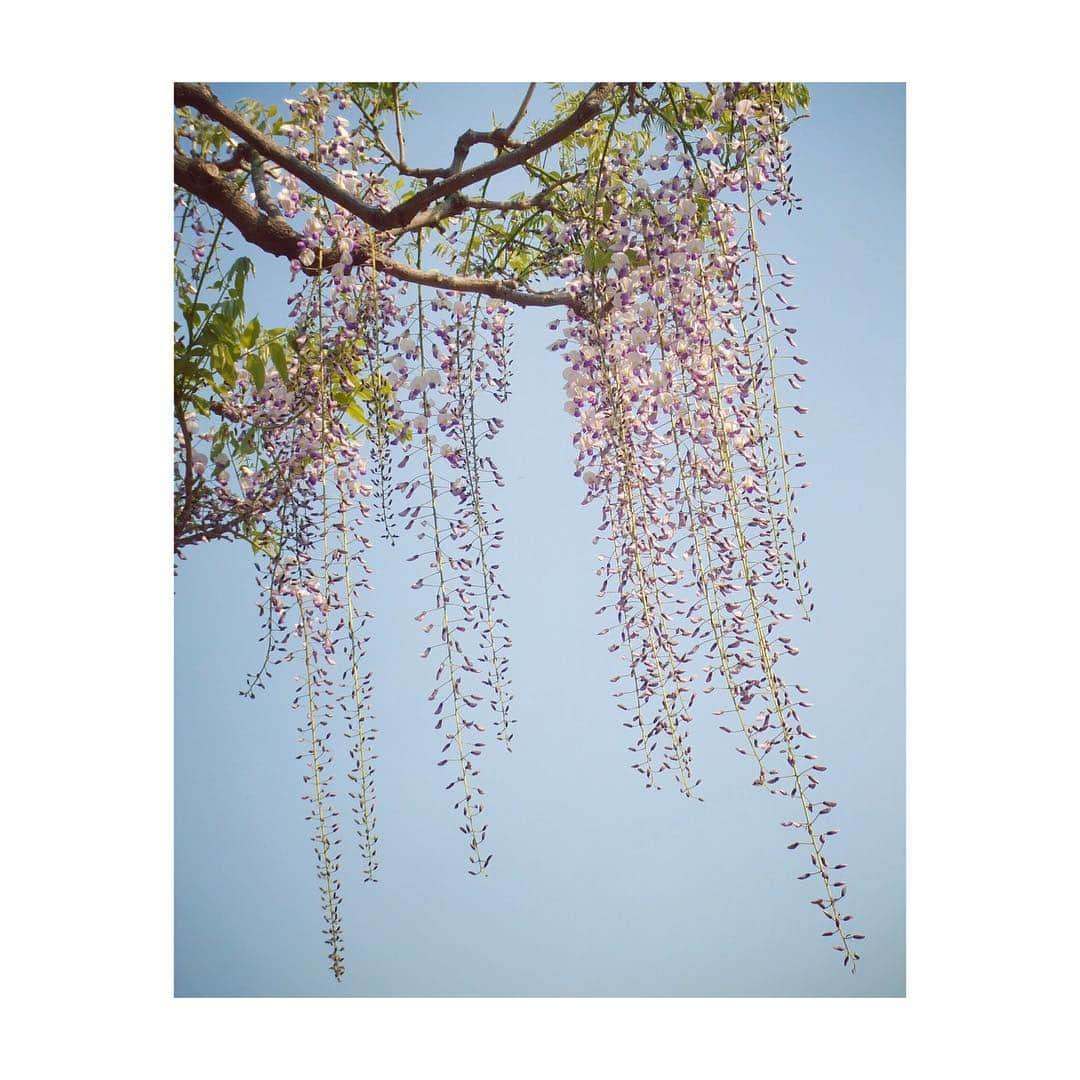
(596, 259)
(218, 445)
(250, 334)
(278, 359)
(257, 366)
(186, 367)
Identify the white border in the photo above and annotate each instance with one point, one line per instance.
(87, 789)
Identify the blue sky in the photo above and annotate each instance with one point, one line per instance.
(597, 886)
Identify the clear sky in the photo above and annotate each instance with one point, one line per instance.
(597, 887)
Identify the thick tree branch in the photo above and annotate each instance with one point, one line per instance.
(203, 99)
(408, 213)
(276, 237)
(273, 235)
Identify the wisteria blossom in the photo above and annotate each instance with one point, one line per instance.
(378, 416)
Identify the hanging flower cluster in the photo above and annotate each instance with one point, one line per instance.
(679, 371)
(269, 420)
(445, 465)
(313, 578)
(675, 379)
(418, 370)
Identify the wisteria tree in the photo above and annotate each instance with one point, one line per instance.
(371, 418)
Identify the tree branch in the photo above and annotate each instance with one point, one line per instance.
(276, 237)
(203, 99)
(204, 180)
(406, 215)
(520, 114)
(591, 105)
(459, 203)
(397, 124)
(541, 199)
(241, 158)
(500, 138)
(181, 519)
(498, 290)
(262, 192)
(230, 528)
